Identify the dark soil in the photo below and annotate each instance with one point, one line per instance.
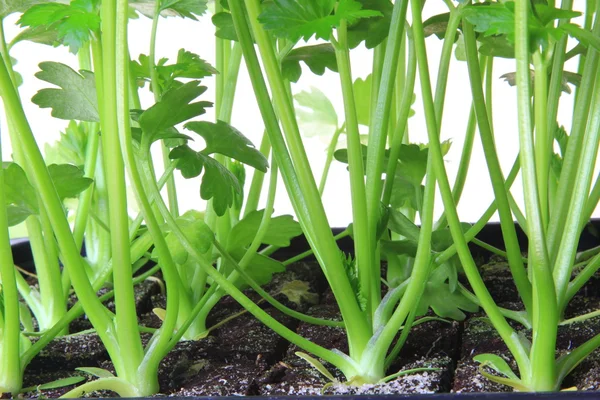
(243, 357)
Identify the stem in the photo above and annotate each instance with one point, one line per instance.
(329, 159)
(126, 318)
(368, 272)
(491, 309)
(297, 174)
(258, 178)
(11, 369)
(544, 315)
(147, 369)
(543, 138)
(509, 232)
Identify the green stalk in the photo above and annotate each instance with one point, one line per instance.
(297, 174)
(157, 91)
(572, 229)
(504, 329)
(363, 242)
(380, 118)
(146, 369)
(42, 181)
(258, 178)
(571, 158)
(509, 232)
(127, 331)
(545, 315)
(402, 124)
(11, 369)
(329, 158)
(543, 138)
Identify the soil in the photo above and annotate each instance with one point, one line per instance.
(243, 357)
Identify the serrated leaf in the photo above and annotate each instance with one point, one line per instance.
(20, 196)
(70, 147)
(40, 34)
(315, 113)
(568, 77)
(496, 46)
(218, 183)
(68, 180)
(75, 100)
(97, 372)
(497, 363)
(317, 57)
(222, 138)
(295, 19)
(298, 292)
(186, 8)
(195, 230)
(260, 268)
(317, 365)
(362, 97)
(279, 233)
(73, 23)
(372, 31)
(8, 7)
(174, 107)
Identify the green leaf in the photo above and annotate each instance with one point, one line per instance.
(73, 23)
(399, 223)
(261, 268)
(362, 98)
(8, 7)
(59, 383)
(224, 139)
(70, 147)
(317, 365)
(76, 99)
(496, 363)
(174, 107)
(172, 8)
(298, 292)
(279, 233)
(218, 183)
(399, 247)
(436, 25)
(225, 29)
(97, 372)
(295, 19)
(40, 34)
(496, 46)
(20, 196)
(372, 30)
(318, 58)
(68, 180)
(185, 8)
(198, 233)
(315, 113)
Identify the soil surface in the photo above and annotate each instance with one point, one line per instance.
(243, 357)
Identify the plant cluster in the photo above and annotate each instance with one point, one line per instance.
(104, 160)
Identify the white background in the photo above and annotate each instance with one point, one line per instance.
(198, 37)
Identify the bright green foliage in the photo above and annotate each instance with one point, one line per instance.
(222, 138)
(172, 8)
(40, 34)
(498, 19)
(316, 115)
(174, 107)
(281, 230)
(224, 24)
(372, 31)
(362, 95)
(8, 7)
(295, 19)
(75, 100)
(21, 201)
(73, 23)
(192, 225)
(70, 147)
(318, 58)
(68, 180)
(261, 268)
(188, 65)
(218, 183)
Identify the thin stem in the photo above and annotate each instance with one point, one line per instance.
(329, 158)
(368, 273)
